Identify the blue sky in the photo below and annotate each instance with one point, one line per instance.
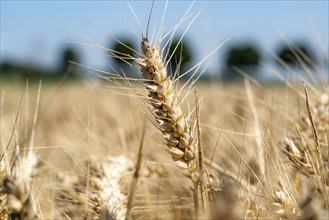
(35, 31)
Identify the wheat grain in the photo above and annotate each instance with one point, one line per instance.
(103, 192)
(99, 194)
(164, 99)
(301, 147)
(3, 196)
(17, 199)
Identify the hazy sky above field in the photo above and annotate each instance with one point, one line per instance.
(36, 31)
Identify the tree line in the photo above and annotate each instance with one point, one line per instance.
(245, 57)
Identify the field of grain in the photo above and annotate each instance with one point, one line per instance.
(80, 133)
(159, 147)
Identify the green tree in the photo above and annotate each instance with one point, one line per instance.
(296, 55)
(124, 48)
(245, 57)
(180, 55)
(6, 68)
(68, 56)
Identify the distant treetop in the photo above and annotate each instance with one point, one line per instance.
(296, 54)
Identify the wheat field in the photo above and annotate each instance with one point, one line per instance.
(79, 126)
(159, 148)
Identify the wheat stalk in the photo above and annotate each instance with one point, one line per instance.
(134, 181)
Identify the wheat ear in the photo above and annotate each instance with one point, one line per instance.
(3, 196)
(99, 195)
(17, 201)
(103, 193)
(307, 147)
(164, 99)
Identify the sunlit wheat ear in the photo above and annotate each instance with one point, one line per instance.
(17, 200)
(282, 204)
(308, 146)
(165, 104)
(100, 194)
(3, 196)
(108, 197)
